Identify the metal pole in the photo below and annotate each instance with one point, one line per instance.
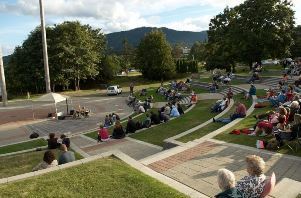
(2, 80)
(45, 54)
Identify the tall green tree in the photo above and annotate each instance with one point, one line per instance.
(296, 47)
(128, 55)
(109, 67)
(75, 52)
(154, 56)
(251, 31)
(79, 50)
(198, 51)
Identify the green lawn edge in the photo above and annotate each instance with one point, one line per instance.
(23, 146)
(214, 125)
(16, 164)
(107, 178)
(156, 135)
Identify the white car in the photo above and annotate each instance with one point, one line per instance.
(114, 90)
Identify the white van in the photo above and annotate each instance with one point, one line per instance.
(114, 90)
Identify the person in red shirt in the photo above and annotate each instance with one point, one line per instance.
(240, 112)
(103, 134)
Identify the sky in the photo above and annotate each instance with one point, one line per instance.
(19, 17)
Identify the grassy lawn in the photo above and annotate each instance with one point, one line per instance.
(249, 122)
(23, 146)
(199, 90)
(214, 125)
(194, 117)
(107, 177)
(205, 79)
(23, 163)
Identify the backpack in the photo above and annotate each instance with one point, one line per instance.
(272, 144)
(34, 135)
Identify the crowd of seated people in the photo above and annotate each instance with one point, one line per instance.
(283, 121)
(65, 156)
(174, 91)
(111, 119)
(252, 185)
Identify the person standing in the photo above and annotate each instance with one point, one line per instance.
(132, 88)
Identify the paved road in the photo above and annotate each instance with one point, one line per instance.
(16, 123)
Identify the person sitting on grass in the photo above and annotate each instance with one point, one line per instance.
(66, 156)
(52, 141)
(107, 121)
(65, 140)
(118, 132)
(141, 109)
(220, 105)
(154, 118)
(226, 182)
(48, 161)
(103, 134)
(230, 93)
(147, 122)
(263, 128)
(240, 112)
(180, 109)
(174, 111)
(252, 92)
(253, 184)
(131, 125)
(274, 101)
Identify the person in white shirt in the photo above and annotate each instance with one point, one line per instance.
(48, 161)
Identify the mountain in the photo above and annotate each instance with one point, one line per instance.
(135, 35)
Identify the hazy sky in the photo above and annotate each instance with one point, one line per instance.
(19, 17)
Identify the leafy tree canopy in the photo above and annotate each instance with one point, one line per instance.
(154, 57)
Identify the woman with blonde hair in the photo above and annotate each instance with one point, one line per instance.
(226, 182)
(252, 186)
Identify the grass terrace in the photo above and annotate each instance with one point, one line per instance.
(214, 125)
(107, 177)
(23, 146)
(249, 122)
(194, 117)
(23, 163)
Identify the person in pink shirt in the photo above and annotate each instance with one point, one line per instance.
(103, 134)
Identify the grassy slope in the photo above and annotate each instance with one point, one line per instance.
(196, 116)
(23, 146)
(102, 178)
(23, 163)
(214, 125)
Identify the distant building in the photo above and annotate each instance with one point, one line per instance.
(185, 51)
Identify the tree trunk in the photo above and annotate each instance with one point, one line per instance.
(250, 65)
(53, 87)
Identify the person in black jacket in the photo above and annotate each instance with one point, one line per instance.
(65, 140)
(52, 141)
(131, 125)
(118, 132)
(180, 109)
(154, 118)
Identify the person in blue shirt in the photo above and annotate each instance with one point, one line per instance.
(279, 99)
(174, 111)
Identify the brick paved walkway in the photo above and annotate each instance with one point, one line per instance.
(197, 167)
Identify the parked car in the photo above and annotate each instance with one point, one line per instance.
(114, 90)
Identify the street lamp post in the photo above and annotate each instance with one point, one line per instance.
(2, 80)
(45, 54)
